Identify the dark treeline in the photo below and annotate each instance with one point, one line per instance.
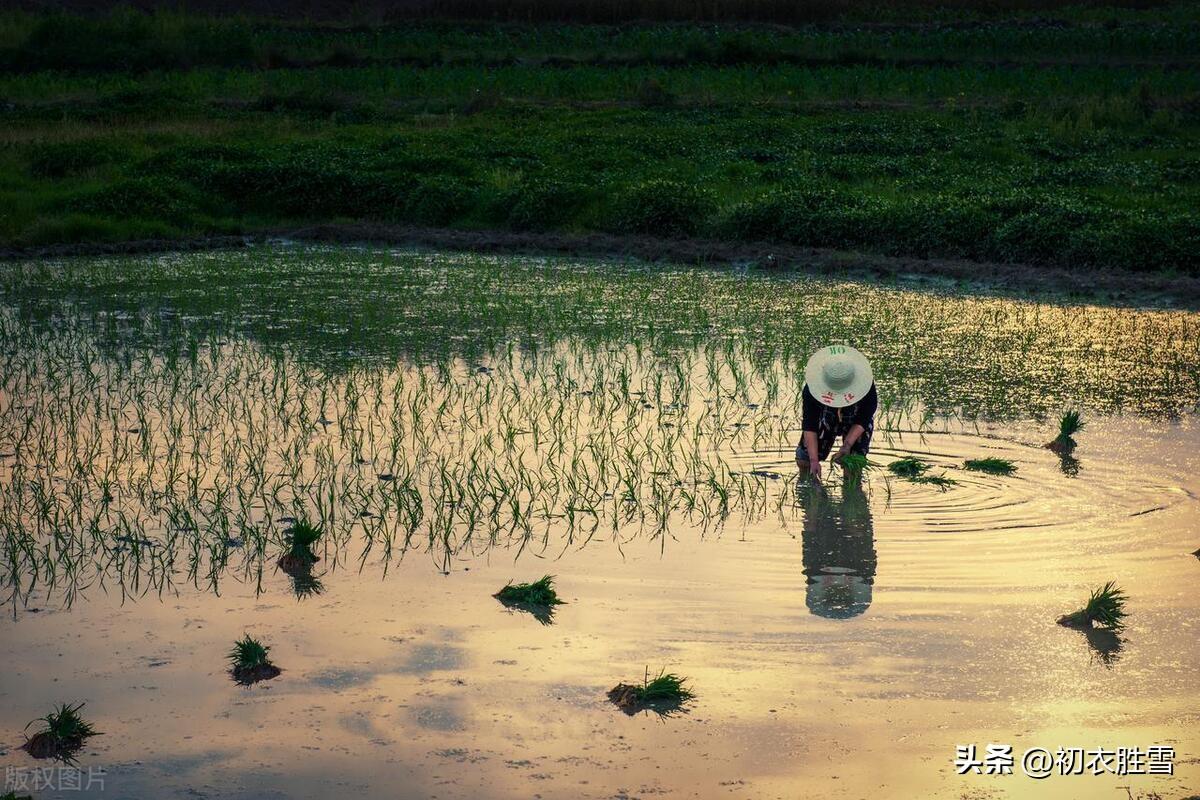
(787, 12)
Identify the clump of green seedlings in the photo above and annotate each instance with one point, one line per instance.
(664, 694)
(992, 466)
(15, 796)
(1070, 424)
(64, 733)
(300, 539)
(913, 469)
(856, 464)
(908, 467)
(1105, 609)
(249, 662)
(537, 598)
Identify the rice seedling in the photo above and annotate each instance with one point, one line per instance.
(15, 796)
(1105, 608)
(1069, 424)
(249, 662)
(300, 538)
(64, 732)
(663, 694)
(908, 467)
(538, 598)
(992, 466)
(856, 464)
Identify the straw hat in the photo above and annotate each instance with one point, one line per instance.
(838, 375)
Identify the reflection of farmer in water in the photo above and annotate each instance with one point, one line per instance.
(839, 549)
(839, 400)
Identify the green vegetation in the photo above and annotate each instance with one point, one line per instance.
(992, 466)
(663, 694)
(913, 470)
(1069, 424)
(856, 464)
(537, 598)
(539, 593)
(512, 404)
(908, 467)
(1105, 609)
(301, 536)
(63, 733)
(979, 142)
(249, 662)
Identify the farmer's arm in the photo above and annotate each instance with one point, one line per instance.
(864, 412)
(808, 438)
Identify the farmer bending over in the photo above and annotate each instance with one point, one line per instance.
(839, 400)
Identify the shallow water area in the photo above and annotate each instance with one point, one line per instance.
(842, 638)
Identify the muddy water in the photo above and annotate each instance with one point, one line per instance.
(842, 640)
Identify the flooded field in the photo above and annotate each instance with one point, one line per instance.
(447, 424)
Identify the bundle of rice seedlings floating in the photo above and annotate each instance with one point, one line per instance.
(992, 466)
(537, 598)
(1105, 609)
(908, 467)
(300, 557)
(1070, 424)
(249, 662)
(64, 733)
(664, 694)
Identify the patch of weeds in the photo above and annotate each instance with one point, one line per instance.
(249, 662)
(992, 466)
(664, 694)
(63, 734)
(1105, 609)
(537, 598)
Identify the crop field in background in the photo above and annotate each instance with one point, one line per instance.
(1067, 138)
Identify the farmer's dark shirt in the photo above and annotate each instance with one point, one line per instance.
(838, 419)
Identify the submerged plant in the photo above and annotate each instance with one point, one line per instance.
(1105, 609)
(940, 481)
(663, 694)
(249, 661)
(64, 733)
(992, 466)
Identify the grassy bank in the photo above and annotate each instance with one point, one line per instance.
(1065, 142)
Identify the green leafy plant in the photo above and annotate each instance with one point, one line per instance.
(941, 481)
(1105, 609)
(249, 662)
(664, 693)
(992, 466)
(63, 733)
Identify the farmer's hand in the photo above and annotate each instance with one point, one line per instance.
(814, 469)
(840, 454)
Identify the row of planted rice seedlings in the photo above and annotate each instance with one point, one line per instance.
(148, 468)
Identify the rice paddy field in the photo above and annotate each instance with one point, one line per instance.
(296, 521)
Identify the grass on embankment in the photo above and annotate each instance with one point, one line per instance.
(1087, 165)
